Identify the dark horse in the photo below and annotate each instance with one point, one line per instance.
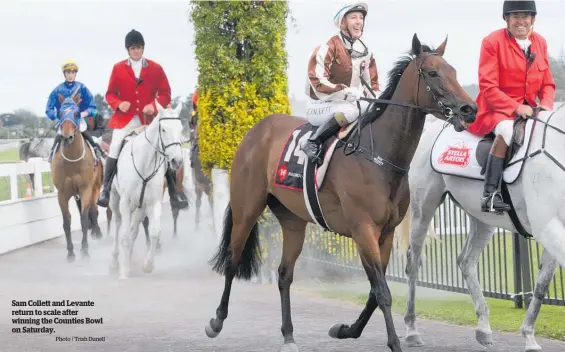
(364, 196)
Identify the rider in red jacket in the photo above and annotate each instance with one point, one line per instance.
(134, 85)
(513, 71)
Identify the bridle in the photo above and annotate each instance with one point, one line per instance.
(442, 109)
(77, 128)
(160, 150)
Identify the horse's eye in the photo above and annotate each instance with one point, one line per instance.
(433, 74)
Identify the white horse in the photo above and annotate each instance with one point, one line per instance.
(536, 186)
(137, 189)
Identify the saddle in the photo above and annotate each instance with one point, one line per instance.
(485, 144)
(132, 135)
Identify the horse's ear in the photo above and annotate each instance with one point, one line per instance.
(416, 45)
(178, 109)
(61, 98)
(441, 49)
(77, 99)
(160, 109)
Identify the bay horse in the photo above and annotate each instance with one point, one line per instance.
(75, 174)
(363, 196)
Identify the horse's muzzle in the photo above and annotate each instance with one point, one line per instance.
(176, 163)
(68, 140)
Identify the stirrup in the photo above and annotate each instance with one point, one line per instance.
(313, 152)
(487, 205)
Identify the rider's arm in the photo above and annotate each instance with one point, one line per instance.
(163, 89)
(51, 103)
(113, 91)
(319, 68)
(489, 81)
(88, 101)
(547, 91)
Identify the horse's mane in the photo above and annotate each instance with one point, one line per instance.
(394, 78)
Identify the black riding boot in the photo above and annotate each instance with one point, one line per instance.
(313, 149)
(178, 199)
(104, 197)
(492, 198)
(54, 146)
(97, 149)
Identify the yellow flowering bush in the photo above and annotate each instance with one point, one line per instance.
(242, 72)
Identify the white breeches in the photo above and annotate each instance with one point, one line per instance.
(318, 111)
(118, 136)
(505, 129)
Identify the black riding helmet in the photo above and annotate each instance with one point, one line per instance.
(134, 38)
(518, 6)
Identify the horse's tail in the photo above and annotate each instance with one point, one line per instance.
(250, 256)
(23, 150)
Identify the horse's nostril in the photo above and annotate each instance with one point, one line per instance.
(467, 109)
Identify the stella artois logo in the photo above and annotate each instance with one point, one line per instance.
(458, 155)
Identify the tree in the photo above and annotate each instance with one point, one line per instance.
(557, 66)
(102, 106)
(242, 71)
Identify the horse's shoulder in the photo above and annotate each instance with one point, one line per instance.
(140, 129)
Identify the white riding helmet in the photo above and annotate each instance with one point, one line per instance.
(358, 6)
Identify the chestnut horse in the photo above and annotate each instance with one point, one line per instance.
(75, 174)
(365, 194)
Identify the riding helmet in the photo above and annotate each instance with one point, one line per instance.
(510, 6)
(134, 38)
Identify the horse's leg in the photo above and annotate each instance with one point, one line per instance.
(117, 219)
(96, 232)
(126, 241)
(239, 250)
(478, 238)
(293, 230)
(367, 236)
(86, 200)
(175, 212)
(198, 190)
(424, 200)
(146, 229)
(64, 205)
(548, 265)
(155, 233)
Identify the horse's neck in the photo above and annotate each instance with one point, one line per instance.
(145, 156)
(396, 133)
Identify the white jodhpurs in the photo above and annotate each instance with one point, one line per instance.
(505, 129)
(318, 111)
(118, 136)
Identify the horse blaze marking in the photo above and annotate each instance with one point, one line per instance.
(459, 155)
(94, 321)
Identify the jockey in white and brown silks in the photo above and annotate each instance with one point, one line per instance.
(513, 72)
(134, 85)
(334, 83)
(87, 107)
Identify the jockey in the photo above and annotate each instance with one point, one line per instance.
(335, 70)
(134, 85)
(513, 71)
(87, 106)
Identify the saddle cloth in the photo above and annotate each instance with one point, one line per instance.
(464, 154)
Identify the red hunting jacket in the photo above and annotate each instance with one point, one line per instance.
(123, 86)
(507, 78)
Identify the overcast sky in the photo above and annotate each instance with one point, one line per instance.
(37, 36)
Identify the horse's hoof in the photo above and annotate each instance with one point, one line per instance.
(148, 267)
(336, 331)
(414, 341)
(484, 338)
(210, 332)
(289, 347)
(533, 348)
(71, 258)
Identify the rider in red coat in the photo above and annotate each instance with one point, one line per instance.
(134, 85)
(513, 71)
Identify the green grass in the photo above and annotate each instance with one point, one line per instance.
(9, 155)
(458, 310)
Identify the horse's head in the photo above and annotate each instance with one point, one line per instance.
(170, 134)
(438, 88)
(69, 115)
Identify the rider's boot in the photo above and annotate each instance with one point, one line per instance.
(104, 197)
(178, 199)
(54, 146)
(312, 147)
(492, 199)
(100, 153)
